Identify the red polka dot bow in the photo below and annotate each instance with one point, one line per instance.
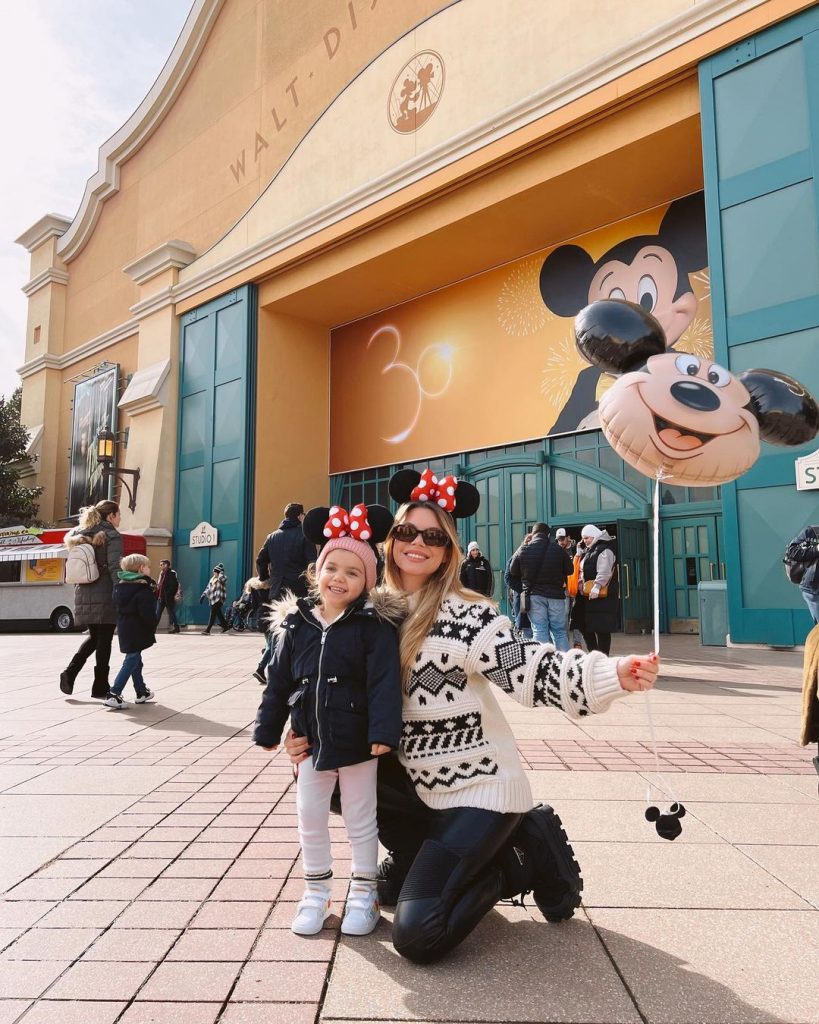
(348, 524)
(430, 488)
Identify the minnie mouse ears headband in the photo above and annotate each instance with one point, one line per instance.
(458, 498)
(369, 523)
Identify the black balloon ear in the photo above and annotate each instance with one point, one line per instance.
(312, 526)
(652, 813)
(402, 485)
(380, 520)
(617, 335)
(677, 810)
(786, 411)
(467, 500)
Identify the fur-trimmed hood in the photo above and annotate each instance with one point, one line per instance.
(383, 603)
(94, 536)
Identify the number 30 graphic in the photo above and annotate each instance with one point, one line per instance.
(444, 352)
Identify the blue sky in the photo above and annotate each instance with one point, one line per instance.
(71, 73)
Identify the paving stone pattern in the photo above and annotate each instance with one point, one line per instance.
(149, 860)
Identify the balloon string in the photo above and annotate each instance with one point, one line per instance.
(661, 783)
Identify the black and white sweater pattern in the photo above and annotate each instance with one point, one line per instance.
(456, 743)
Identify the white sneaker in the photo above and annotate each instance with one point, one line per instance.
(148, 695)
(313, 911)
(113, 701)
(362, 912)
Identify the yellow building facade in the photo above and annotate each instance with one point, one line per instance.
(334, 164)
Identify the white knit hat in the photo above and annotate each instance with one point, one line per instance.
(590, 531)
(473, 545)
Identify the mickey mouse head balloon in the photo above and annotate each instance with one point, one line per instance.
(679, 416)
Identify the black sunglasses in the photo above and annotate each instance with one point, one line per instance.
(432, 536)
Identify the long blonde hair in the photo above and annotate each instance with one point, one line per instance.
(445, 581)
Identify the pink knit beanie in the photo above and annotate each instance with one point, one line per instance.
(358, 547)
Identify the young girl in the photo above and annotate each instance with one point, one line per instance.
(136, 626)
(336, 671)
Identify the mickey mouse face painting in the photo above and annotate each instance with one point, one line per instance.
(676, 415)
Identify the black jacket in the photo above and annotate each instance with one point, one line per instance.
(341, 685)
(808, 552)
(136, 614)
(283, 558)
(170, 586)
(543, 565)
(476, 573)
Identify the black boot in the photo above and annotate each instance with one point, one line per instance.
(99, 691)
(67, 679)
(390, 878)
(539, 859)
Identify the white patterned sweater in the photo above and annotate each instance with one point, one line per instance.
(456, 743)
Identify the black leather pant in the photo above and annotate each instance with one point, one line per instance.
(597, 641)
(99, 642)
(216, 613)
(454, 863)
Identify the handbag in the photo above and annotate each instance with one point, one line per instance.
(525, 599)
(587, 589)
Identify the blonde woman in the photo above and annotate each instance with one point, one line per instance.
(456, 809)
(94, 602)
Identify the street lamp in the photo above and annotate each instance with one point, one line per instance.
(105, 457)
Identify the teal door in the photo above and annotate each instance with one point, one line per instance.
(511, 501)
(689, 555)
(215, 444)
(635, 563)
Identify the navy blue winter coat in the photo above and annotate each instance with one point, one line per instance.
(135, 603)
(341, 685)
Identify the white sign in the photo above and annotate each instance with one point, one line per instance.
(807, 472)
(204, 536)
(17, 535)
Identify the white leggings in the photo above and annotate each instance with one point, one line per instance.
(313, 792)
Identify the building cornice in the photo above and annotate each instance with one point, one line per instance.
(49, 226)
(682, 29)
(48, 276)
(153, 304)
(47, 361)
(169, 255)
(141, 125)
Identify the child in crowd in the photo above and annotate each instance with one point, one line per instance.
(336, 672)
(244, 610)
(136, 626)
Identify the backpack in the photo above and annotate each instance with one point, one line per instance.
(795, 569)
(81, 564)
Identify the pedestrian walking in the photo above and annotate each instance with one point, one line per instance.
(542, 567)
(215, 593)
(336, 674)
(168, 592)
(94, 601)
(281, 564)
(476, 572)
(136, 627)
(803, 552)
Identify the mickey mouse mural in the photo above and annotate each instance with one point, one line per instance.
(649, 270)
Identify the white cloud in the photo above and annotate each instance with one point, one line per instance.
(70, 75)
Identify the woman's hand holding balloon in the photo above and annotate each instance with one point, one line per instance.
(638, 672)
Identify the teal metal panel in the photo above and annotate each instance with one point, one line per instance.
(760, 128)
(216, 435)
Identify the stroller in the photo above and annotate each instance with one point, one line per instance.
(244, 612)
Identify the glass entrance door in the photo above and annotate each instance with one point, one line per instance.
(634, 557)
(689, 555)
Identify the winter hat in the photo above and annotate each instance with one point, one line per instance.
(218, 567)
(358, 547)
(473, 545)
(590, 531)
(560, 533)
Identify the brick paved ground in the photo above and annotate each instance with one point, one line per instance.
(149, 868)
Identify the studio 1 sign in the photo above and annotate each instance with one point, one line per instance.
(204, 536)
(807, 472)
